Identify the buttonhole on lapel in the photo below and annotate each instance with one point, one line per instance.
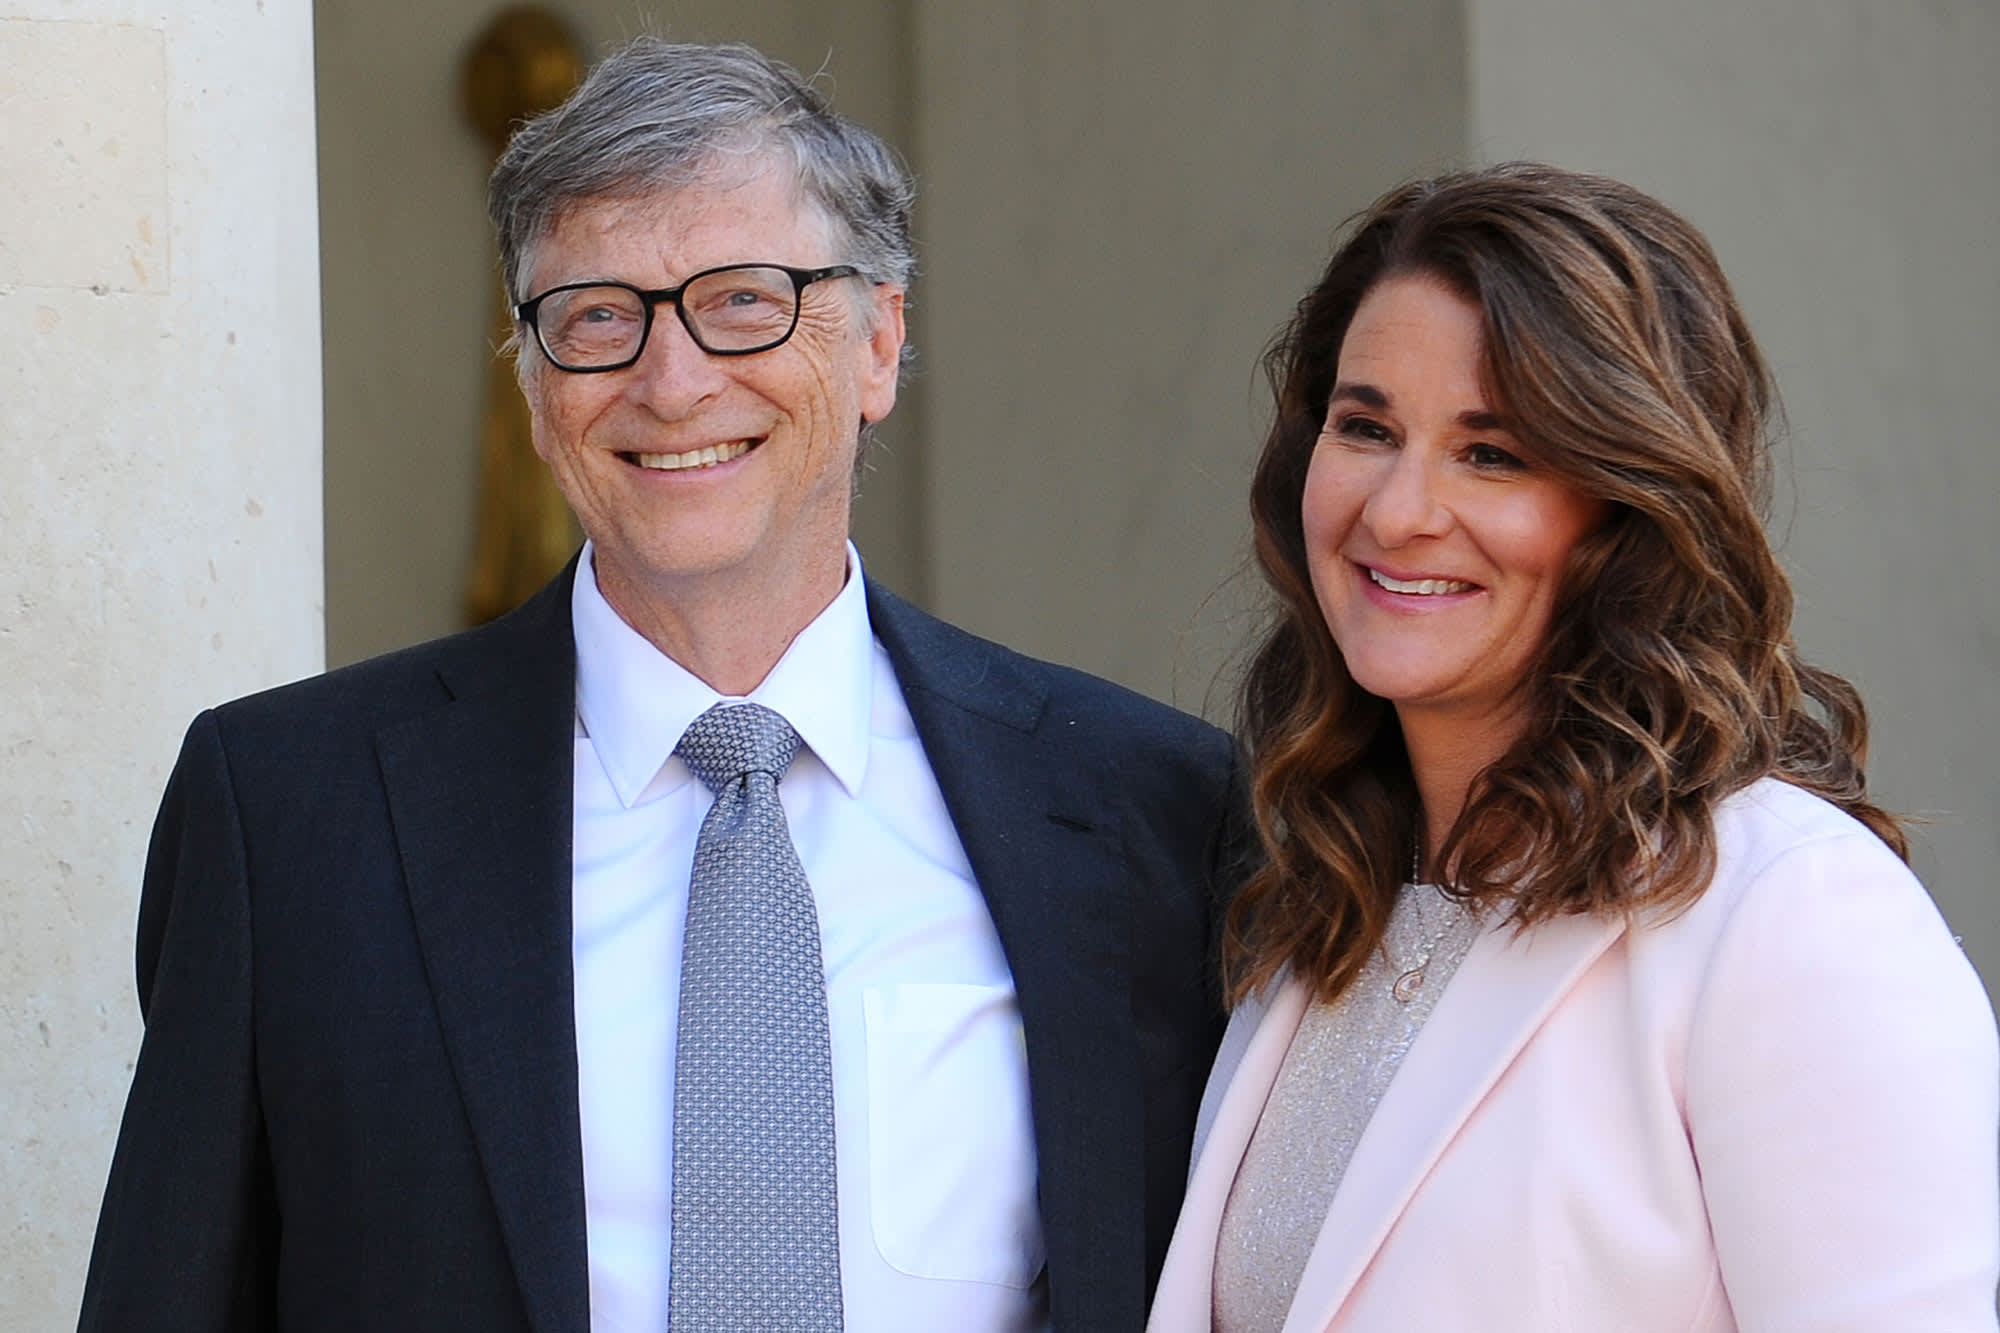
(1072, 823)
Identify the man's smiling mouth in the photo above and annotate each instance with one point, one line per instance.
(711, 456)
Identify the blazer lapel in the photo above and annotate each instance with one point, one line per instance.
(1047, 852)
(1237, 1091)
(480, 791)
(1502, 993)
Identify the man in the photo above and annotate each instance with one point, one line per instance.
(449, 1022)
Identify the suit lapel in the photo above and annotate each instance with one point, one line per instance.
(480, 791)
(1502, 993)
(1048, 854)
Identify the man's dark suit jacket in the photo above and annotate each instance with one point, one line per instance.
(356, 1103)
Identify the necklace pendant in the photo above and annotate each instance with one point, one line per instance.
(1409, 983)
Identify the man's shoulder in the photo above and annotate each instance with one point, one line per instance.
(975, 673)
(385, 684)
(530, 645)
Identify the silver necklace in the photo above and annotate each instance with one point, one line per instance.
(1410, 981)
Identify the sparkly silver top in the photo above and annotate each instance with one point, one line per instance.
(1338, 1066)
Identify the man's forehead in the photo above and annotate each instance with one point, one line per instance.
(763, 185)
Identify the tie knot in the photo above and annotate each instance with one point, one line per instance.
(730, 740)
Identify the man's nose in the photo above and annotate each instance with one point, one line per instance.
(1406, 502)
(673, 374)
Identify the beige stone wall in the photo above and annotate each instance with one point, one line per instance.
(1122, 201)
(160, 500)
(1841, 158)
(407, 263)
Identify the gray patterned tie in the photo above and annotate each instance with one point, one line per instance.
(756, 1222)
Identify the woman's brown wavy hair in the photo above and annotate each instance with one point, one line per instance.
(1669, 679)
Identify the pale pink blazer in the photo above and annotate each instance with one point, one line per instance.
(1776, 1111)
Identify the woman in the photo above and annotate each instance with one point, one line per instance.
(1584, 987)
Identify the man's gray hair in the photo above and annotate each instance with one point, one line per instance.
(658, 115)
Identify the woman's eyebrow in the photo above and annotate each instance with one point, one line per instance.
(1478, 418)
(1365, 394)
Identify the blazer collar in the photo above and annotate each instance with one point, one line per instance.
(1047, 848)
(480, 791)
(1246, 1067)
(1502, 993)
(1514, 980)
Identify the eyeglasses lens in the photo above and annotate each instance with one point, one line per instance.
(741, 308)
(592, 326)
(734, 310)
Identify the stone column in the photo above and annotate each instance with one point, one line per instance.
(160, 499)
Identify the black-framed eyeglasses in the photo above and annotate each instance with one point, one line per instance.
(734, 310)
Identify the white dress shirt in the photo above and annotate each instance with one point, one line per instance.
(934, 1142)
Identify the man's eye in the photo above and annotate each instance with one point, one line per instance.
(742, 303)
(597, 313)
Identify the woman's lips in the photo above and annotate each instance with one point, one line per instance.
(1418, 587)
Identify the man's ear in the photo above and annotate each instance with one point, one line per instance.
(882, 353)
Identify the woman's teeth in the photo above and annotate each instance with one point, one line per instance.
(1421, 587)
(709, 457)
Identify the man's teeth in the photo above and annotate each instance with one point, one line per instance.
(709, 457)
(1421, 587)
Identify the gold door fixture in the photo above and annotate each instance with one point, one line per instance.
(524, 63)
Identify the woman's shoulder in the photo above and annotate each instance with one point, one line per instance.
(1771, 820)
(1797, 878)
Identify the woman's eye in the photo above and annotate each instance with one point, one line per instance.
(1362, 428)
(1491, 456)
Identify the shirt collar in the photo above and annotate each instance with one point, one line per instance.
(634, 702)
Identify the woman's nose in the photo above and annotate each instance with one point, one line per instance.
(1405, 503)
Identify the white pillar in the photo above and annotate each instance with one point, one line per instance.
(1840, 156)
(160, 500)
